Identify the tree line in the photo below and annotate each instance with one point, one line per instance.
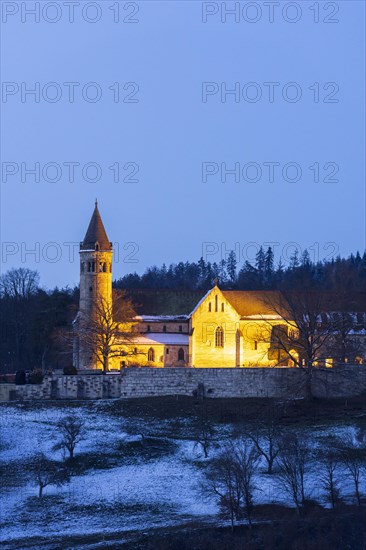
(262, 274)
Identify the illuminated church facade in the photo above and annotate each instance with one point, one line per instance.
(227, 328)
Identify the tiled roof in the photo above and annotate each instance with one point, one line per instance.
(252, 302)
(96, 233)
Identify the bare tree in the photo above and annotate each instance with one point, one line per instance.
(345, 345)
(353, 456)
(230, 477)
(71, 430)
(330, 474)
(17, 288)
(246, 458)
(19, 283)
(304, 332)
(110, 330)
(293, 461)
(46, 472)
(266, 434)
(204, 434)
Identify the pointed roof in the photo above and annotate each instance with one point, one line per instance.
(96, 233)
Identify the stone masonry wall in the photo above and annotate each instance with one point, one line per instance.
(208, 382)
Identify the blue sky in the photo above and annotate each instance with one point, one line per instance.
(169, 132)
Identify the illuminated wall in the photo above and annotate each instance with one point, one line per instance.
(245, 343)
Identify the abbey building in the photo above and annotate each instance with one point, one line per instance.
(226, 328)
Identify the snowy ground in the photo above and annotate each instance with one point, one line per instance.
(142, 473)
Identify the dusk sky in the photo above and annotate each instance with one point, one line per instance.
(297, 113)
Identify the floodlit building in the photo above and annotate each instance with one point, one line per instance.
(226, 328)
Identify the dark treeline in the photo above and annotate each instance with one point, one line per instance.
(263, 274)
(32, 318)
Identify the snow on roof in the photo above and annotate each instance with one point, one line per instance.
(201, 301)
(162, 318)
(160, 338)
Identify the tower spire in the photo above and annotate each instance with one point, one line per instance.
(96, 234)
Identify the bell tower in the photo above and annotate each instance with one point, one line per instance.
(95, 281)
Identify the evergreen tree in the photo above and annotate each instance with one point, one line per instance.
(294, 259)
(260, 262)
(268, 266)
(231, 266)
(305, 258)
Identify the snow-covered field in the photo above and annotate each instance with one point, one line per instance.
(141, 473)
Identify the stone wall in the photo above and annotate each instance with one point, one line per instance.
(208, 382)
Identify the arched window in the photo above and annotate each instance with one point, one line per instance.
(96, 246)
(181, 354)
(151, 355)
(219, 337)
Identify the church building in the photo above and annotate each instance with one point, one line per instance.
(227, 328)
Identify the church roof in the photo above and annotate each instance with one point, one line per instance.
(252, 302)
(264, 303)
(96, 233)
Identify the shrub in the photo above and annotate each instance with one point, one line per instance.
(36, 376)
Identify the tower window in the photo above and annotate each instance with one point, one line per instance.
(96, 246)
(151, 355)
(167, 351)
(216, 302)
(209, 306)
(222, 307)
(82, 267)
(93, 266)
(100, 267)
(164, 328)
(89, 267)
(148, 328)
(180, 328)
(219, 337)
(135, 351)
(90, 288)
(181, 354)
